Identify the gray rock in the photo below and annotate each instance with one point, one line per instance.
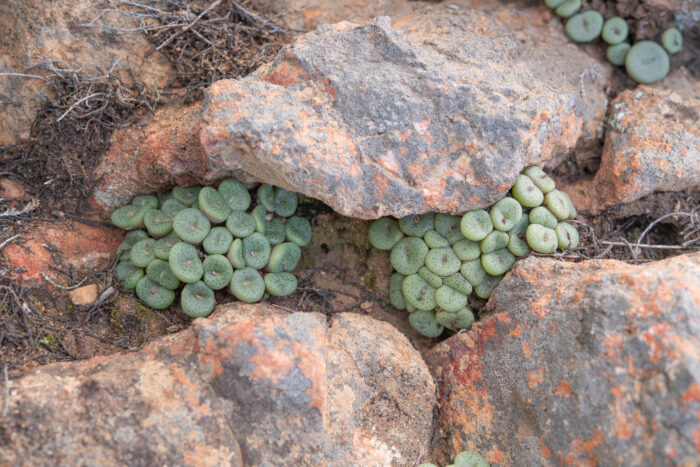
(441, 114)
(251, 385)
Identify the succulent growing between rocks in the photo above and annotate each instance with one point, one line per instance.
(440, 259)
(248, 253)
(645, 62)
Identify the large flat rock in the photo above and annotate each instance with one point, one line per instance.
(441, 113)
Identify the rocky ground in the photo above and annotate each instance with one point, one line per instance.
(369, 109)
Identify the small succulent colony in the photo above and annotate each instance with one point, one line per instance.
(463, 459)
(251, 254)
(646, 61)
(440, 259)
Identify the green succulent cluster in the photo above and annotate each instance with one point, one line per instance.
(440, 259)
(249, 253)
(646, 61)
(463, 459)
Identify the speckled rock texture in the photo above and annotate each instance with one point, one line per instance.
(440, 112)
(72, 245)
(158, 152)
(251, 385)
(652, 143)
(36, 29)
(592, 363)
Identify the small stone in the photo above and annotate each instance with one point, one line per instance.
(84, 295)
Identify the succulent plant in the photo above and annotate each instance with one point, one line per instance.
(129, 217)
(430, 277)
(197, 300)
(469, 459)
(285, 202)
(494, 241)
(484, 289)
(541, 239)
(396, 292)
(279, 284)
(181, 246)
(298, 230)
(568, 8)
(408, 255)
(284, 257)
(158, 223)
(497, 262)
(647, 62)
(458, 282)
(218, 241)
(455, 320)
(145, 201)
(526, 192)
(476, 225)
(440, 259)
(274, 231)
(163, 245)
(505, 214)
(143, 252)
(616, 54)
(128, 274)
(517, 243)
(259, 215)
(425, 323)
(672, 40)
(584, 27)
(235, 254)
(153, 294)
(543, 216)
(213, 205)
(449, 299)
(256, 250)
(217, 272)
(417, 225)
(172, 206)
(448, 226)
(186, 195)
(473, 271)
(185, 263)
(235, 195)
(435, 240)
(418, 292)
(159, 271)
(615, 30)
(191, 226)
(567, 236)
(247, 285)
(467, 250)
(241, 224)
(266, 197)
(540, 179)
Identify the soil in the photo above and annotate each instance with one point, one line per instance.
(338, 272)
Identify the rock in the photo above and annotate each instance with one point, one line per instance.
(251, 384)
(308, 14)
(85, 295)
(652, 143)
(36, 29)
(153, 155)
(591, 363)
(441, 114)
(80, 246)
